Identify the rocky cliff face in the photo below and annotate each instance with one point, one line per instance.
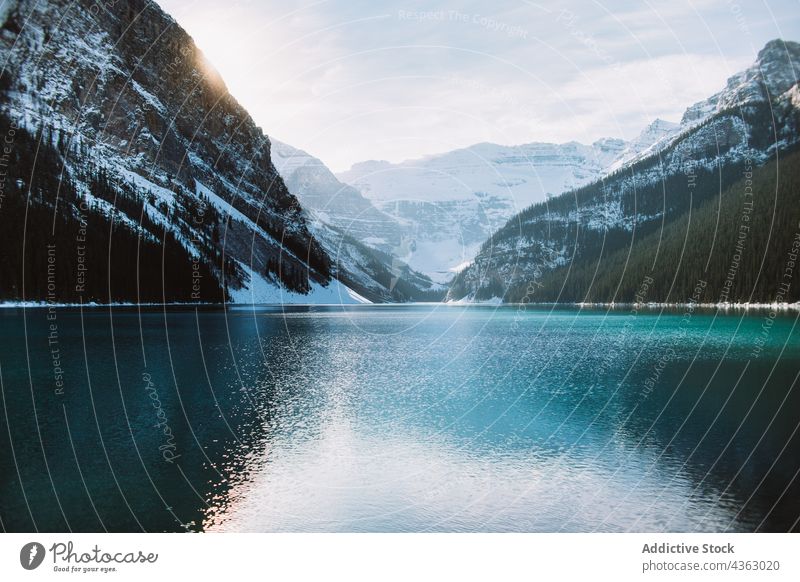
(362, 241)
(676, 169)
(122, 91)
(768, 79)
(147, 139)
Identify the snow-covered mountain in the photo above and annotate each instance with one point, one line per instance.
(770, 77)
(362, 241)
(448, 204)
(122, 125)
(661, 175)
(649, 141)
(523, 173)
(331, 201)
(144, 142)
(148, 138)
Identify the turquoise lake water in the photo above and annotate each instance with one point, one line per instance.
(398, 418)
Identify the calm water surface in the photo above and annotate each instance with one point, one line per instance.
(398, 418)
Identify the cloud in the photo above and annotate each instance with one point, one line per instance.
(353, 80)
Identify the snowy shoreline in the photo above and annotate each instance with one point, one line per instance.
(722, 306)
(460, 303)
(496, 302)
(43, 304)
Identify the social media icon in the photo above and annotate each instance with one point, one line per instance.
(31, 555)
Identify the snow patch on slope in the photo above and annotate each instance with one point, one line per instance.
(652, 138)
(257, 290)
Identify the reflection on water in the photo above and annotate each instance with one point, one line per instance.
(387, 418)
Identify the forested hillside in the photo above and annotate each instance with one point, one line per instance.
(743, 243)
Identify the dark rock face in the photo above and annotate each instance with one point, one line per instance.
(124, 91)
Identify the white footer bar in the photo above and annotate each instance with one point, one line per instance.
(412, 557)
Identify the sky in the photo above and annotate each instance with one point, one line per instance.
(355, 80)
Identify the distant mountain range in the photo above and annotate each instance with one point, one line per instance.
(449, 204)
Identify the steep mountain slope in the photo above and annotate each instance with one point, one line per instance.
(59, 245)
(739, 246)
(649, 141)
(360, 239)
(143, 142)
(370, 272)
(122, 93)
(720, 141)
(332, 201)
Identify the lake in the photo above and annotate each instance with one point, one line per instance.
(398, 418)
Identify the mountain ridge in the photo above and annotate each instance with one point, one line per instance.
(688, 167)
(150, 145)
(126, 93)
